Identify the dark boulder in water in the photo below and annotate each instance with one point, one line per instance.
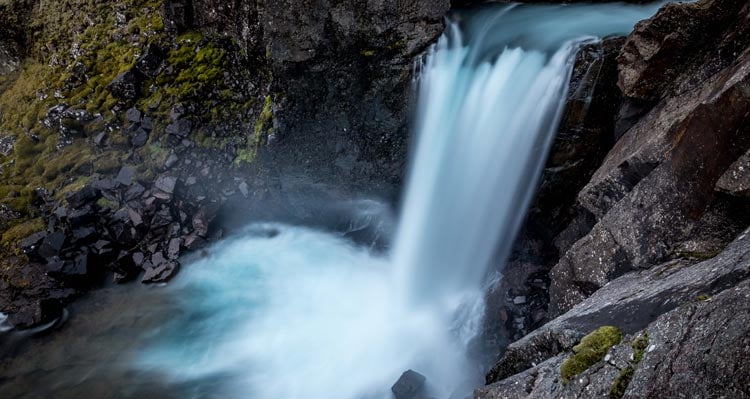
(411, 385)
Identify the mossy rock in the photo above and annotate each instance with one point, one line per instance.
(589, 351)
(622, 381)
(20, 231)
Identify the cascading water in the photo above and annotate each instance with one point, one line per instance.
(323, 319)
(296, 313)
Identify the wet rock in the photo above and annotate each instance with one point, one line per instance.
(173, 250)
(680, 351)
(160, 273)
(135, 216)
(84, 235)
(69, 269)
(81, 216)
(244, 189)
(171, 161)
(100, 138)
(630, 302)
(134, 191)
(147, 123)
(125, 86)
(736, 180)
(411, 385)
(701, 348)
(138, 259)
(30, 244)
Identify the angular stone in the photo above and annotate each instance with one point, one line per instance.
(125, 176)
(166, 183)
(171, 161)
(150, 62)
(133, 115)
(411, 385)
(125, 86)
(180, 128)
(52, 244)
(160, 273)
(83, 196)
(173, 250)
(140, 138)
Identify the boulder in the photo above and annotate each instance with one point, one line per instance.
(411, 385)
(699, 347)
(160, 273)
(126, 86)
(681, 46)
(630, 302)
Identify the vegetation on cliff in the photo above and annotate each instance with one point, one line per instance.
(591, 350)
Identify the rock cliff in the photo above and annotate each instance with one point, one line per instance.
(657, 246)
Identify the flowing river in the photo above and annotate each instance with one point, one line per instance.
(283, 311)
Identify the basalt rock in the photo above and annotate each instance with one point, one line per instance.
(699, 347)
(585, 135)
(630, 302)
(126, 86)
(656, 184)
(657, 244)
(681, 46)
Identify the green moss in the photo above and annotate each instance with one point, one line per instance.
(199, 68)
(260, 134)
(703, 297)
(13, 235)
(72, 186)
(105, 52)
(244, 156)
(367, 53)
(589, 351)
(620, 385)
(264, 121)
(622, 381)
(106, 203)
(639, 347)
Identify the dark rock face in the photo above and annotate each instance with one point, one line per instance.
(657, 245)
(343, 72)
(360, 50)
(684, 351)
(519, 303)
(681, 46)
(656, 184)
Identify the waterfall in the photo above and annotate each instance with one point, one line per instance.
(292, 312)
(490, 100)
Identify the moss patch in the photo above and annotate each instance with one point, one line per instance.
(21, 231)
(589, 351)
(622, 381)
